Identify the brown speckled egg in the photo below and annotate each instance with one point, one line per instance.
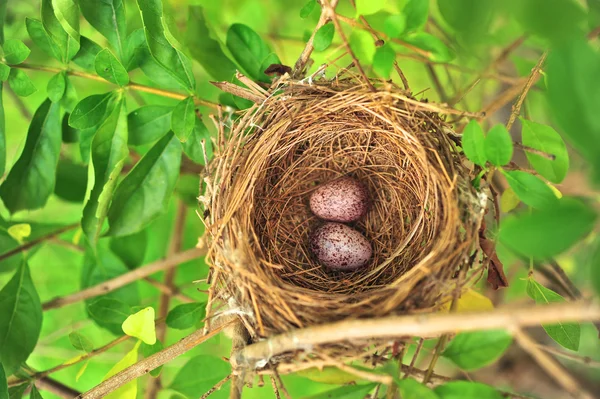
(340, 247)
(341, 200)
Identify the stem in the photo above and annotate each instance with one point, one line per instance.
(124, 279)
(415, 325)
(37, 241)
(531, 80)
(56, 388)
(134, 86)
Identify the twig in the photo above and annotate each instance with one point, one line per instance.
(170, 291)
(308, 49)
(57, 388)
(436, 82)
(239, 91)
(124, 279)
(586, 360)
(338, 28)
(535, 151)
(429, 325)
(531, 80)
(37, 241)
(239, 340)
(274, 385)
(281, 385)
(149, 364)
(134, 86)
(153, 385)
(217, 386)
(551, 366)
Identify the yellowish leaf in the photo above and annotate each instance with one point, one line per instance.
(141, 325)
(509, 200)
(77, 236)
(469, 301)
(328, 375)
(81, 371)
(20, 231)
(555, 190)
(129, 390)
(74, 360)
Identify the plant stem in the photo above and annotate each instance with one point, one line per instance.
(132, 85)
(37, 241)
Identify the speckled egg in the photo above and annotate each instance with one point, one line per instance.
(340, 247)
(341, 200)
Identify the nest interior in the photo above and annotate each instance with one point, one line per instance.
(422, 223)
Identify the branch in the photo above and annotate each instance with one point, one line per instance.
(149, 364)
(414, 325)
(37, 241)
(56, 388)
(134, 86)
(124, 279)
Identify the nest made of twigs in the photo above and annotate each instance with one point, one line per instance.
(422, 225)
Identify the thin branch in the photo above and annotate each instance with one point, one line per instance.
(133, 86)
(170, 291)
(217, 387)
(37, 241)
(124, 279)
(154, 384)
(148, 364)
(586, 360)
(308, 49)
(531, 80)
(429, 325)
(535, 151)
(550, 365)
(57, 388)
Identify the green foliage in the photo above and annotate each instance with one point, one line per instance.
(470, 19)
(149, 123)
(530, 189)
(565, 334)
(345, 392)
(31, 181)
(411, 389)
(199, 374)
(498, 146)
(466, 390)
(308, 8)
(543, 233)
(20, 83)
(149, 350)
(324, 37)
(368, 7)
(109, 313)
(436, 50)
(86, 56)
(64, 42)
(145, 192)
(4, 72)
(546, 139)
(248, 49)
(395, 25)
(20, 319)
(81, 342)
(35, 394)
(183, 119)
(3, 383)
(15, 51)
(186, 315)
(110, 68)
(90, 111)
(18, 391)
(141, 325)
(383, 61)
(71, 181)
(471, 351)
(416, 12)
(108, 18)
(57, 86)
(473, 143)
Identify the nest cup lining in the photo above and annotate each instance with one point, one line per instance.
(422, 221)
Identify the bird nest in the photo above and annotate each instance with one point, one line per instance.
(422, 224)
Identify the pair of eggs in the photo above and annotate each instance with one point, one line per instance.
(335, 244)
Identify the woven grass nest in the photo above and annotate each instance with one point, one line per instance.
(423, 222)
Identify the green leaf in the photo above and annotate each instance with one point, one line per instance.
(66, 44)
(573, 100)
(308, 8)
(69, 134)
(509, 200)
(35, 394)
(70, 99)
(108, 18)
(19, 231)
(20, 83)
(131, 249)
(327, 375)
(466, 390)
(194, 147)
(2, 134)
(90, 111)
(184, 118)
(206, 50)
(86, 56)
(108, 67)
(412, 389)
(4, 72)
(565, 334)
(109, 310)
(31, 180)
(18, 391)
(3, 383)
(141, 325)
(345, 392)
(81, 342)
(368, 7)
(531, 189)
(128, 390)
(171, 59)
(149, 350)
(41, 38)
(363, 46)
(67, 13)
(543, 233)
(248, 49)
(324, 37)
(560, 20)
(416, 12)
(71, 181)
(544, 138)
(3, 5)
(145, 192)
(20, 319)
(395, 25)
(109, 151)
(15, 51)
(186, 315)
(136, 50)
(473, 143)
(470, 19)
(383, 61)
(149, 123)
(192, 384)
(56, 87)
(474, 350)
(436, 49)
(498, 146)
